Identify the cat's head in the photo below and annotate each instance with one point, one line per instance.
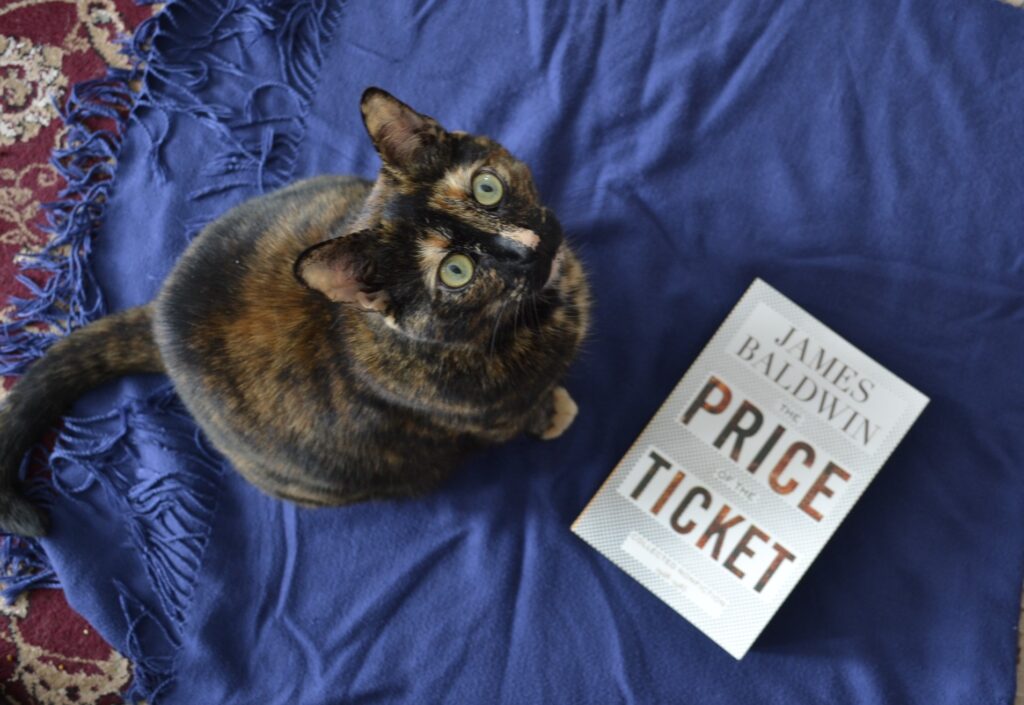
(453, 239)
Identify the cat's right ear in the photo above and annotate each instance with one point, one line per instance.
(404, 138)
(342, 270)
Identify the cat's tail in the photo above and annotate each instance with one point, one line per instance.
(108, 348)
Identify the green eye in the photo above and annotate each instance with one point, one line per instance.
(456, 271)
(487, 188)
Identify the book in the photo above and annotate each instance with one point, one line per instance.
(752, 462)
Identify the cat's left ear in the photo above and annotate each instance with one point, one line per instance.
(404, 138)
(342, 270)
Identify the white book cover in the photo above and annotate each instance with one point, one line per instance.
(750, 465)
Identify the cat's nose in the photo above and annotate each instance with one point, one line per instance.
(514, 251)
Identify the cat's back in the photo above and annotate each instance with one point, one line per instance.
(245, 258)
(292, 218)
(237, 331)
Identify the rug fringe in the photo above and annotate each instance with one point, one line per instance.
(260, 143)
(25, 564)
(69, 296)
(152, 676)
(169, 515)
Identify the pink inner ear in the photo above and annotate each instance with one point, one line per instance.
(336, 280)
(343, 285)
(372, 301)
(399, 141)
(396, 129)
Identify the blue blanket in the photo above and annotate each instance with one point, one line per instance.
(865, 158)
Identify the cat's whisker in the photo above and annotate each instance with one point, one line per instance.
(536, 313)
(519, 310)
(497, 325)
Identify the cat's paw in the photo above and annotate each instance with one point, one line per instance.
(563, 413)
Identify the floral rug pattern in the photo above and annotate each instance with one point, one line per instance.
(49, 655)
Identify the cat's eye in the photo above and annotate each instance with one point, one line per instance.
(487, 188)
(456, 270)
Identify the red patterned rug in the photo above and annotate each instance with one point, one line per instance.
(48, 653)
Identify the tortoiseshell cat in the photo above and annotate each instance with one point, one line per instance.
(341, 340)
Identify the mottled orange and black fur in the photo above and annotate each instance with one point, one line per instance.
(310, 336)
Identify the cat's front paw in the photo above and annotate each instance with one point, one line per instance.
(563, 412)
